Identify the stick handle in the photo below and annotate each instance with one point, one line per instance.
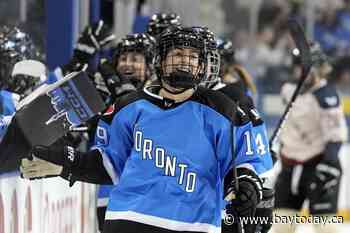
(283, 119)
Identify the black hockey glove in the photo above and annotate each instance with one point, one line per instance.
(246, 199)
(92, 39)
(65, 156)
(327, 176)
(264, 210)
(47, 162)
(249, 192)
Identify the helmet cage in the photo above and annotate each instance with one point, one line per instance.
(192, 68)
(211, 75)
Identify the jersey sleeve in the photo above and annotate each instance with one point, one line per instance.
(259, 133)
(102, 134)
(236, 147)
(246, 152)
(115, 142)
(333, 123)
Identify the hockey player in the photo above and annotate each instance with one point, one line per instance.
(169, 150)
(131, 67)
(14, 146)
(15, 46)
(231, 72)
(310, 144)
(133, 63)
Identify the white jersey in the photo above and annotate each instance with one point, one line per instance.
(315, 119)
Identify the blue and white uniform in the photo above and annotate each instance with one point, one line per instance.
(171, 181)
(102, 139)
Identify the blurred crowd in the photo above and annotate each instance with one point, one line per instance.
(267, 55)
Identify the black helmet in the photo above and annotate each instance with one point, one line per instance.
(179, 38)
(226, 51)
(15, 46)
(159, 22)
(138, 42)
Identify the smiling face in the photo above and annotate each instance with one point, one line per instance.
(132, 65)
(182, 59)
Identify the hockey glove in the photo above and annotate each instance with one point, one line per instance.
(249, 193)
(66, 156)
(247, 197)
(92, 40)
(327, 176)
(264, 210)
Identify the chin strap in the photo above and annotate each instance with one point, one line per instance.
(179, 79)
(177, 92)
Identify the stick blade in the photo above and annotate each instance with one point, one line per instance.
(301, 42)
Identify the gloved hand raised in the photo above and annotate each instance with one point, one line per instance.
(93, 39)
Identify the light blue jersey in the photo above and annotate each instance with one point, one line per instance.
(170, 163)
(7, 101)
(102, 139)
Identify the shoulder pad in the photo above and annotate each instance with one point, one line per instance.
(222, 104)
(120, 102)
(327, 97)
(255, 117)
(242, 117)
(234, 92)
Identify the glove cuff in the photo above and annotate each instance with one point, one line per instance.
(71, 157)
(334, 171)
(71, 162)
(268, 200)
(250, 176)
(68, 175)
(83, 48)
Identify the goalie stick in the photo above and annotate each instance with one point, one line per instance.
(302, 45)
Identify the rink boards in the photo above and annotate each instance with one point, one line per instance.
(48, 206)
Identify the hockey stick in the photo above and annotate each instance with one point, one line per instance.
(236, 227)
(302, 45)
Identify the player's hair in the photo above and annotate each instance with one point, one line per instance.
(245, 77)
(229, 64)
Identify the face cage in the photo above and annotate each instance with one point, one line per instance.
(197, 72)
(7, 60)
(155, 30)
(22, 84)
(211, 75)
